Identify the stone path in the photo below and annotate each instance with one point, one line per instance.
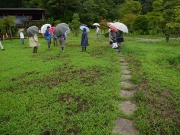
(126, 126)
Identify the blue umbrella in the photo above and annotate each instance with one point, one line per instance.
(87, 29)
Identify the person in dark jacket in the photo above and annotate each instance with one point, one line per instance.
(119, 39)
(84, 40)
(48, 37)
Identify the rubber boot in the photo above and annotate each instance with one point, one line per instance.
(82, 49)
(62, 49)
(34, 50)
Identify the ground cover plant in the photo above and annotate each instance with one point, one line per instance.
(155, 65)
(55, 92)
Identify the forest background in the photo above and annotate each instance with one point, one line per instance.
(141, 16)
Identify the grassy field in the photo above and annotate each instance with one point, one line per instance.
(156, 70)
(75, 92)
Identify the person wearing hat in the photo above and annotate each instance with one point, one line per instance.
(47, 35)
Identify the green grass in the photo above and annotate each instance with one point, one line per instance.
(156, 67)
(70, 93)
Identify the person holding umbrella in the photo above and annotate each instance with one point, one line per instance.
(47, 35)
(33, 38)
(84, 40)
(119, 39)
(97, 32)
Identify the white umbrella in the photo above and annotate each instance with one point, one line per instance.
(122, 27)
(87, 29)
(44, 28)
(96, 24)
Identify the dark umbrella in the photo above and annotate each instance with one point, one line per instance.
(31, 31)
(60, 29)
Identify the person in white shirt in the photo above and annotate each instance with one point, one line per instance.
(97, 31)
(22, 37)
(1, 39)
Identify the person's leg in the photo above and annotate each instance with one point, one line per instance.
(2, 48)
(23, 41)
(62, 43)
(56, 41)
(82, 49)
(49, 43)
(34, 49)
(119, 46)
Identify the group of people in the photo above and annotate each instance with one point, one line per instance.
(33, 41)
(116, 38)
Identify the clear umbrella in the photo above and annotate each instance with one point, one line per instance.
(44, 28)
(31, 31)
(96, 24)
(87, 29)
(120, 26)
(60, 29)
(20, 30)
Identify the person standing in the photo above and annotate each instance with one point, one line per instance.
(54, 37)
(119, 39)
(1, 39)
(61, 40)
(33, 42)
(84, 40)
(97, 32)
(22, 37)
(47, 35)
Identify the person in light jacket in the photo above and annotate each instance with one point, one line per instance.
(84, 40)
(33, 42)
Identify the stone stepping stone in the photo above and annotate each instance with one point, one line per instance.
(126, 77)
(127, 94)
(124, 63)
(125, 71)
(128, 85)
(125, 127)
(122, 60)
(127, 107)
(124, 67)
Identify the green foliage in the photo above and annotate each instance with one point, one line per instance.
(75, 24)
(140, 24)
(129, 7)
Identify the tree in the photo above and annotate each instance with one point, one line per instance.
(129, 7)
(128, 20)
(75, 23)
(167, 24)
(155, 17)
(140, 24)
(8, 22)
